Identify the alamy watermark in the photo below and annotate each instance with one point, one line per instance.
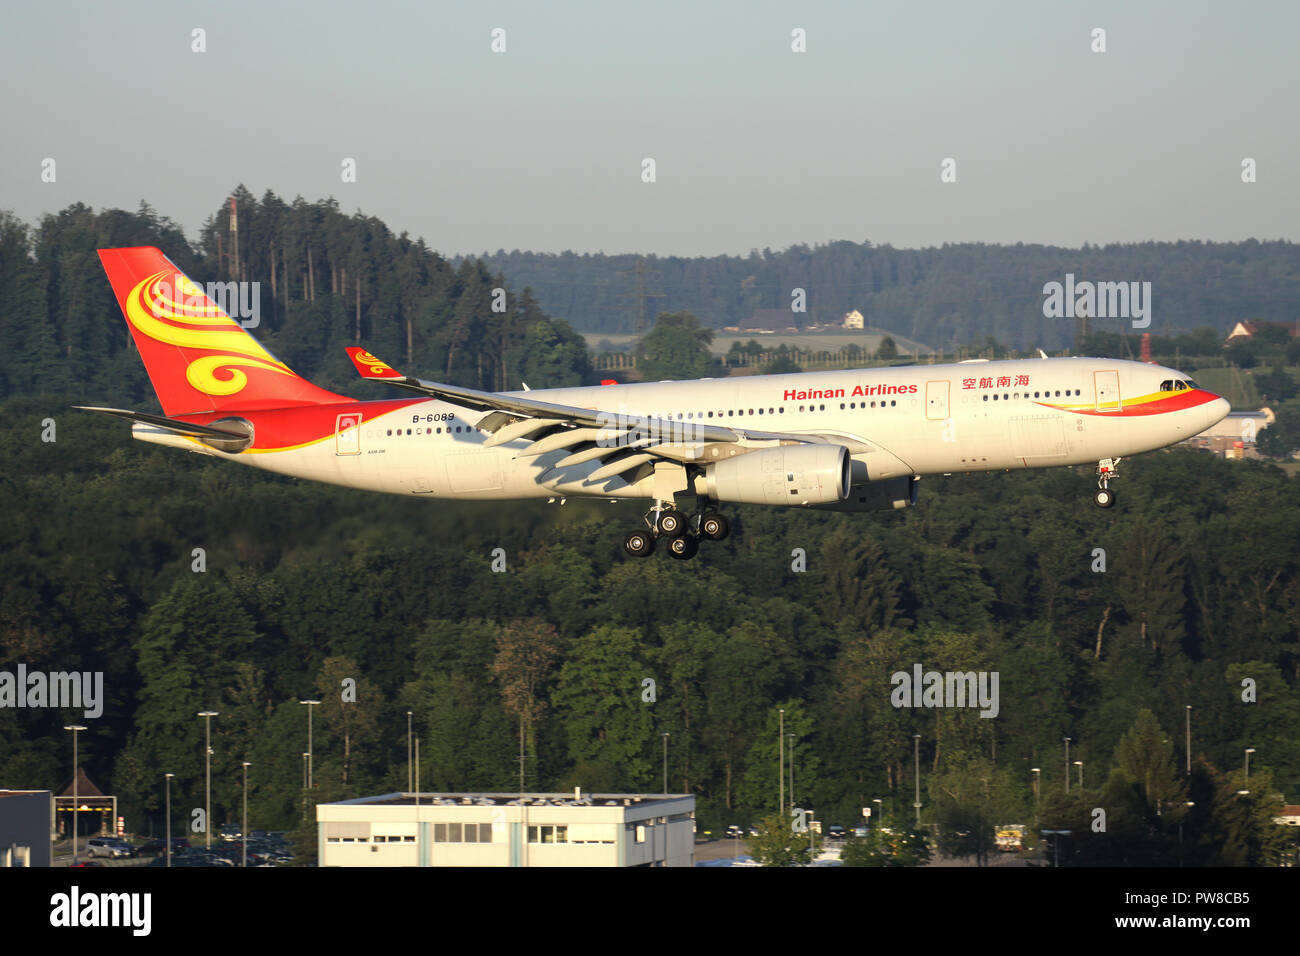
(947, 689)
(239, 300)
(1098, 300)
(65, 690)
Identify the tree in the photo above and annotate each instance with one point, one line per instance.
(603, 704)
(677, 347)
(885, 847)
(888, 349)
(526, 652)
(777, 843)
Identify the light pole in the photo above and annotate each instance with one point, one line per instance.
(311, 704)
(409, 782)
(665, 736)
(1067, 763)
(1037, 772)
(243, 830)
(76, 796)
(1189, 740)
(1249, 751)
(880, 811)
(916, 748)
(1189, 803)
(780, 773)
(207, 716)
(1079, 764)
(304, 773)
(169, 816)
(792, 799)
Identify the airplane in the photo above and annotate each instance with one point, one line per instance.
(846, 441)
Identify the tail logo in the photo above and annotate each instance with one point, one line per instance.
(177, 312)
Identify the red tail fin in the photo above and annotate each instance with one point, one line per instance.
(198, 358)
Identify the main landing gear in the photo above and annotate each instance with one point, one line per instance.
(682, 534)
(1107, 469)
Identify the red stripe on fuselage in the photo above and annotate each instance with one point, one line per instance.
(1176, 402)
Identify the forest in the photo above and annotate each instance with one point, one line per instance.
(946, 297)
(196, 584)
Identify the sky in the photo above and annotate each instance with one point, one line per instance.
(542, 147)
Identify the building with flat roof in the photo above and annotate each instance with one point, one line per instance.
(26, 827)
(504, 829)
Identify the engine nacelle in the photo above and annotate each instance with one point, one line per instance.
(886, 495)
(785, 475)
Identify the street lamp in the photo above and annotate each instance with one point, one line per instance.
(1249, 751)
(916, 748)
(880, 811)
(780, 773)
(408, 752)
(169, 816)
(1189, 740)
(304, 771)
(1067, 763)
(311, 704)
(243, 834)
(792, 800)
(76, 797)
(665, 737)
(207, 716)
(1079, 764)
(1189, 803)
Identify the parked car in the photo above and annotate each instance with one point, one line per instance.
(110, 847)
(836, 832)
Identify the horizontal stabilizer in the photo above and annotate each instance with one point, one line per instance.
(171, 424)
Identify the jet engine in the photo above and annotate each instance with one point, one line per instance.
(785, 475)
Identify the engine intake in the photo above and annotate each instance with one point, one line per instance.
(786, 475)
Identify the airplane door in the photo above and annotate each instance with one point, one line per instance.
(936, 401)
(1108, 397)
(347, 434)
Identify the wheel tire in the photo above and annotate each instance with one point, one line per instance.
(683, 548)
(714, 527)
(671, 523)
(639, 544)
(1104, 498)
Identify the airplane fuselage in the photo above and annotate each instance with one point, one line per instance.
(901, 421)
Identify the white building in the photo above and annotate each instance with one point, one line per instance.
(854, 320)
(502, 829)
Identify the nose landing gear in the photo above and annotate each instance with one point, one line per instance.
(1107, 469)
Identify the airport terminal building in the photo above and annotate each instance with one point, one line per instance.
(504, 829)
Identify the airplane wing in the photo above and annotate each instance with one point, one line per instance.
(621, 442)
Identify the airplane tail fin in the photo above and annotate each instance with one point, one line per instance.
(198, 358)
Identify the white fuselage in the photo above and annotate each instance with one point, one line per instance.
(911, 420)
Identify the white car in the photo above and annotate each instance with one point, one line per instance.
(105, 846)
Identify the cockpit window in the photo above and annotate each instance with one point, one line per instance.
(1190, 384)
(1167, 385)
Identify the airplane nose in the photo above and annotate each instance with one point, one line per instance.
(1216, 411)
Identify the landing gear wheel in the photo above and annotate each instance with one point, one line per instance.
(1105, 498)
(639, 544)
(683, 548)
(714, 527)
(671, 523)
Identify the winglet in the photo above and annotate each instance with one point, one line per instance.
(370, 367)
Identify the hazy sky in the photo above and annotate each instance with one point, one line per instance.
(541, 147)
